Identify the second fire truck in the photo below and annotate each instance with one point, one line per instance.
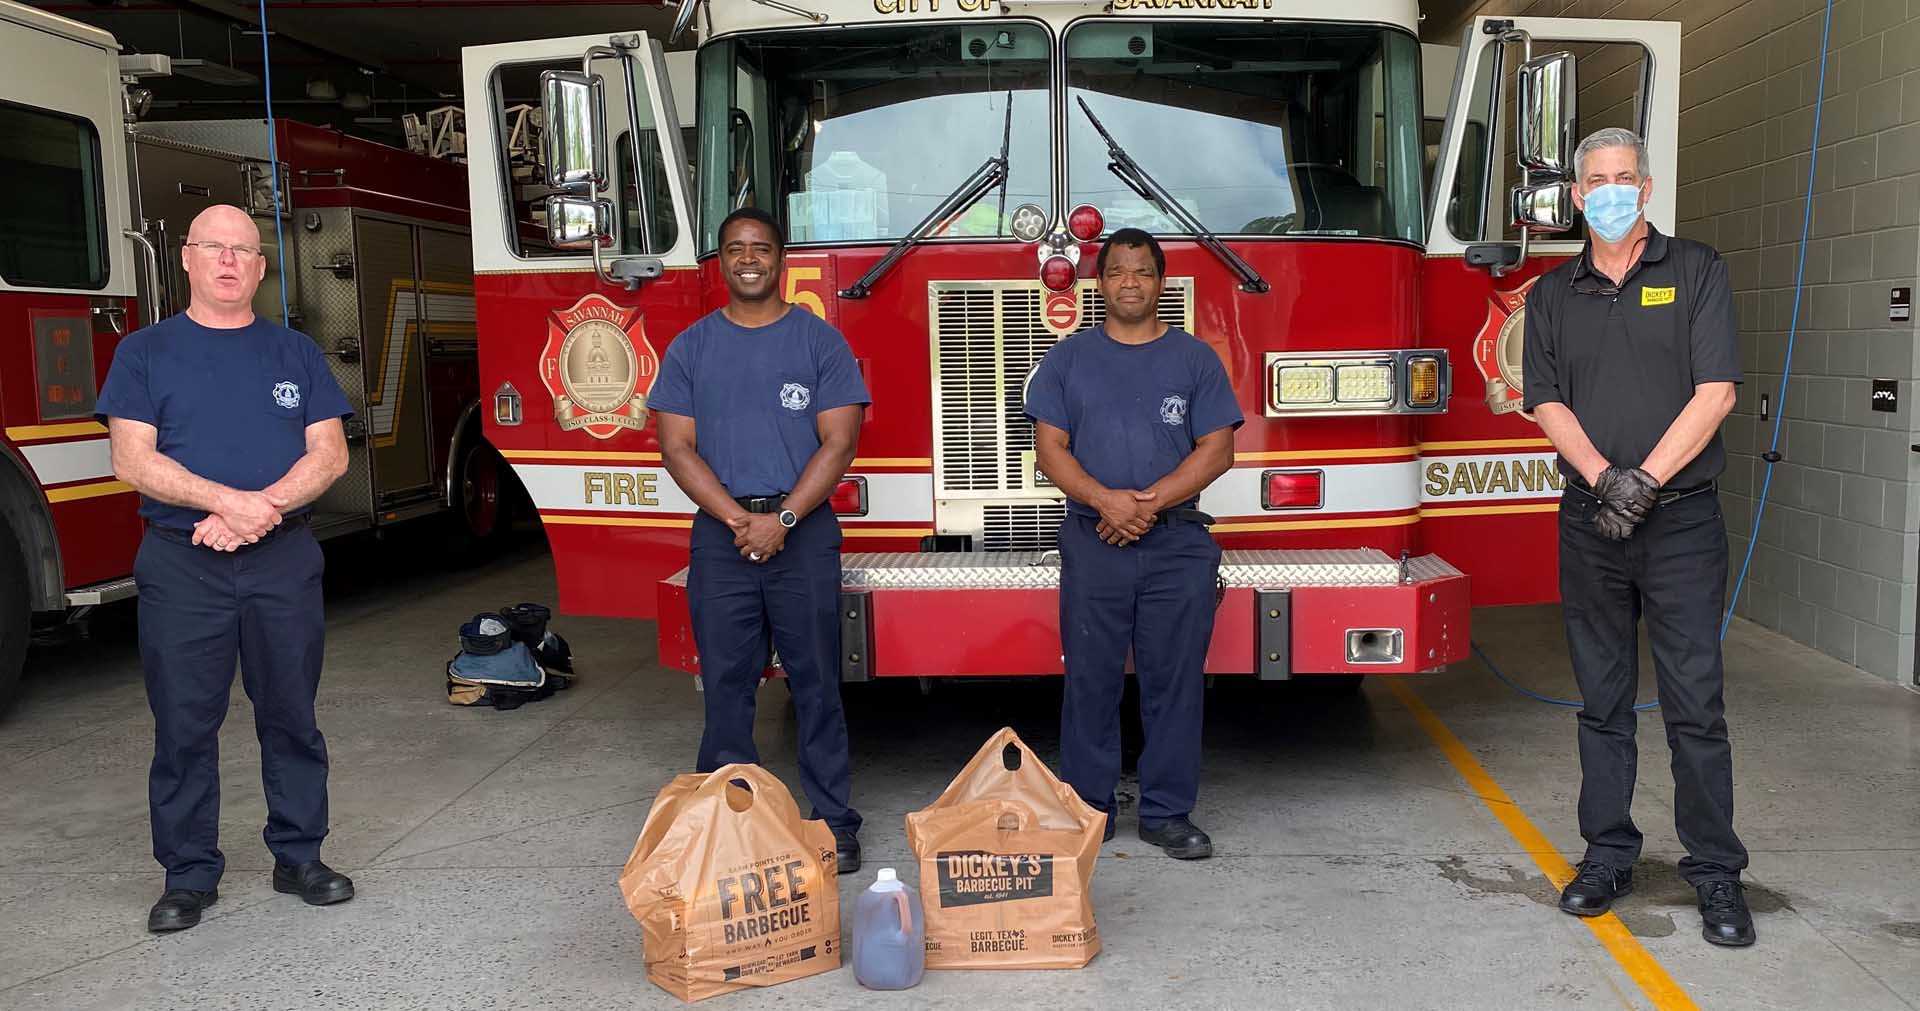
(376, 267)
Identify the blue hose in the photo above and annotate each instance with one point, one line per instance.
(1772, 455)
(273, 168)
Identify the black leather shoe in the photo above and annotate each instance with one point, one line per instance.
(1179, 838)
(179, 909)
(1724, 917)
(848, 846)
(1594, 887)
(315, 883)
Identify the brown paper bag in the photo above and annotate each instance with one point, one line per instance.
(1006, 864)
(732, 888)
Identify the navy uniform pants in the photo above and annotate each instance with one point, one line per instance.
(200, 610)
(1672, 571)
(795, 595)
(1156, 597)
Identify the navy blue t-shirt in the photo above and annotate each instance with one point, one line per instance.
(232, 406)
(753, 394)
(1132, 412)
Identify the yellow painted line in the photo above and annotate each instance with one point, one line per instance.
(1427, 447)
(1648, 974)
(578, 454)
(886, 531)
(80, 491)
(616, 521)
(1340, 524)
(1506, 510)
(25, 432)
(1370, 453)
(894, 461)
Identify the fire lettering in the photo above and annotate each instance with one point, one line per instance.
(620, 487)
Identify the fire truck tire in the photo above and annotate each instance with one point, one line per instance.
(16, 617)
(483, 507)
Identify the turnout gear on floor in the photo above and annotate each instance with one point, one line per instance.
(496, 668)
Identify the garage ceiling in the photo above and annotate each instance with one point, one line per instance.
(402, 55)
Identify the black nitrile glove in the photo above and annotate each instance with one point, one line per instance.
(1630, 491)
(1613, 524)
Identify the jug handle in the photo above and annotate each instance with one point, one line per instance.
(906, 911)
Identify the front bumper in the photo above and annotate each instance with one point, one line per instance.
(1281, 614)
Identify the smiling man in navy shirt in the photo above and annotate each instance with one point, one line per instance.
(1132, 420)
(229, 427)
(759, 405)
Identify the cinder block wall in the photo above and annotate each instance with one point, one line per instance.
(1836, 562)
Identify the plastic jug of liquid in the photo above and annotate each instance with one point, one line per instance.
(889, 935)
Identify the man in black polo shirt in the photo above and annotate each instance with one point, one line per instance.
(1631, 362)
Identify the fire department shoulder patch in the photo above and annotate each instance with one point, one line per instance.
(1498, 348)
(598, 367)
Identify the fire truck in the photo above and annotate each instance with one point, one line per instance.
(945, 170)
(376, 269)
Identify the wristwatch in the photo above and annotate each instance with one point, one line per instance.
(788, 519)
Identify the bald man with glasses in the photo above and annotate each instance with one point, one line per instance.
(229, 427)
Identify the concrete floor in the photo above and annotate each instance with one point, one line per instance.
(1355, 869)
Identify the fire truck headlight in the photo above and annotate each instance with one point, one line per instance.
(1364, 384)
(1423, 382)
(1304, 384)
(1356, 382)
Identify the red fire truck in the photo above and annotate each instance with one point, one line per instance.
(376, 269)
(945, 169)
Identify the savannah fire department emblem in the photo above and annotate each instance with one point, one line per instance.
(1497, 350)
(598, 366)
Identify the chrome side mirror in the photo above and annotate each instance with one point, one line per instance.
(1545, 104)
(578, 222)
(1545, 206)
(575, 142)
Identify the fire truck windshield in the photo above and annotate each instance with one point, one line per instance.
(856, 134)
(1306, 129)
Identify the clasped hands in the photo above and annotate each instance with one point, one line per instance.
(1627, 495)
(1125, 515)
(243, 518)
(759, 536)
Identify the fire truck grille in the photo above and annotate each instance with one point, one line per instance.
(987, 338)
(1024, 526)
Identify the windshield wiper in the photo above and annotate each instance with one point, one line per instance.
(991, 173)
(1152, 192)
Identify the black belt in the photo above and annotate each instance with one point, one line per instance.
(186, 536)
(1666, 496)
(1184, 515)
(763, 504)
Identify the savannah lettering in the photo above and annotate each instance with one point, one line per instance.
(1483, 477)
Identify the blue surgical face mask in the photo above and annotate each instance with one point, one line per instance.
(1612, 209)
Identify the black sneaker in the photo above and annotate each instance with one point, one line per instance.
(847, 845)
(1179, 837)
(1724, 917)
(179, 909)
(1594, 887)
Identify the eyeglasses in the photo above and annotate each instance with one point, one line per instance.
(219, 249)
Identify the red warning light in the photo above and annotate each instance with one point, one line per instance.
(1085, 223)
(1058, 273)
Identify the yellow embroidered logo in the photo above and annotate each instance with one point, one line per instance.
(1656, 296)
